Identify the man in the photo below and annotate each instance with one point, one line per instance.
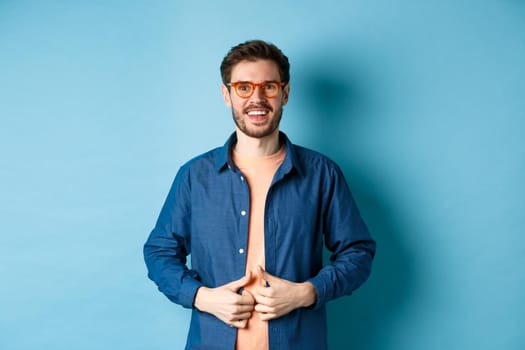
(254, 215)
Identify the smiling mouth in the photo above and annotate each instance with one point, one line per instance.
(257, 113)
(258, 110)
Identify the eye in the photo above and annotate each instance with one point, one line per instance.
(270, 87)
(244, 87)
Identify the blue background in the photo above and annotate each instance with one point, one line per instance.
(420, 102)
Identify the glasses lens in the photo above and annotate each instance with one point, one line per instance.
(244, 89)
(271, 89)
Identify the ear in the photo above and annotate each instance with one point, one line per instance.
(226, 95)
(286, 93)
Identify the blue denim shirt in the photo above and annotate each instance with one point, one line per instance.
(206, 215)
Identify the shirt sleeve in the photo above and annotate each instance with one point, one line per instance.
(168, 245)
(347, 238)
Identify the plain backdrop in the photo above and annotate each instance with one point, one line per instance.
(420, 102)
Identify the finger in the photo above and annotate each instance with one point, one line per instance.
(239, 324)
(242, 323)
(240, 309)
(260, 308)
(261, 299)
(267, 316)
(263, 275)
(266, 276)
(242, 316)
(246, 298)
(263, 292)
(234, 286)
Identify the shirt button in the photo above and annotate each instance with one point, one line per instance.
(243, 213)
(241, 251)
(242, 178)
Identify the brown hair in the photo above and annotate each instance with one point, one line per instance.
(253, 50)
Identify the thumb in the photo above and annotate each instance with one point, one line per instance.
(234, 286)
(265, 276)
(248, 294)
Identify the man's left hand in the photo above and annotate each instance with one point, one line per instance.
(279, 296)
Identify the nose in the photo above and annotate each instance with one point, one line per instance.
(258, 93)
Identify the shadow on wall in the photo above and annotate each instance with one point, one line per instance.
(338, 108)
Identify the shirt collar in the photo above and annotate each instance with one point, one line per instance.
(291, 161)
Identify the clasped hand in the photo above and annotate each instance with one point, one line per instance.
(276, 299)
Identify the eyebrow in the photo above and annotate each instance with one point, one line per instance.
(265, 81)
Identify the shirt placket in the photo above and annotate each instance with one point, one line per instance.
(271, 247)
(243, 214)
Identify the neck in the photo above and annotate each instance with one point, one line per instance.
(257, 147)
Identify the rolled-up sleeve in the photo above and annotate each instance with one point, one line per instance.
(347, 237)
(169, 244)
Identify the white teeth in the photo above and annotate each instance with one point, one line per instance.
(257, 113)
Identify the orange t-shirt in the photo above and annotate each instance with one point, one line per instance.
(258, 172)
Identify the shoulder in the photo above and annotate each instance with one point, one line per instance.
(208, 158)
(202, 163)
(309, 159)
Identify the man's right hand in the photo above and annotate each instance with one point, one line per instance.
(226, 304)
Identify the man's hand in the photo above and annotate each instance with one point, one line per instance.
(225, 303)
(280, 296)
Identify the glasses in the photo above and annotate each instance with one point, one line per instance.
(245, 89)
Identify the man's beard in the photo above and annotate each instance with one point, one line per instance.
(260, 132)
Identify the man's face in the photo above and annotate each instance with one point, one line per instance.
(257, 116)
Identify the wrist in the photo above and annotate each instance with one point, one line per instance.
(308, 294)
(200, 298)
